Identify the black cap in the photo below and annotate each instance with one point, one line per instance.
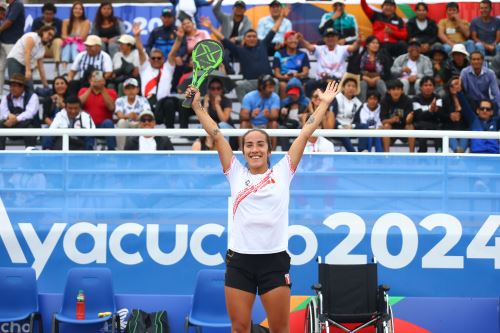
(274, 2)
(240, 3)
(452, 5)
(330, 32)
(389, 2)
(167, 12)
(414, 42)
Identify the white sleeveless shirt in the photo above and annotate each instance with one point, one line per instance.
(259, 223)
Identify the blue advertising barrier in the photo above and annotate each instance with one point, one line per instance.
(432, 222)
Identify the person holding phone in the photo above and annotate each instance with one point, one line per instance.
(257, 261)
(99, 102)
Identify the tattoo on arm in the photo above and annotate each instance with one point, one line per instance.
(311, 119)
(215, 132)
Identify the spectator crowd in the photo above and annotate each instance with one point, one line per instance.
(416, 74)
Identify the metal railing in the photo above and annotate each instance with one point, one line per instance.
(66, 133)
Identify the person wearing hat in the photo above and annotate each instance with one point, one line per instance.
(485, 30)
(292, 107)
(11, 30)
(52, 50)
(128, 108)
(156, 77)
(411, 67)
(331, 59)
(440, 67)
(423, 28)
(126, 61)
(234, 25)
(72, 116)
(453, 30)
(148, 143)
(19, 109)
(163, 37)
(388, 27)
(344, 23)
(93, 58)
(458, 60)
(480, 82)
(289, 62)
(28, 52)
(267, 23)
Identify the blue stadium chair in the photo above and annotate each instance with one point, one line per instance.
(209, 304)
(97, 286)
(19, 296)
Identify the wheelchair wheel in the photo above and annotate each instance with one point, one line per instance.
(311, 324)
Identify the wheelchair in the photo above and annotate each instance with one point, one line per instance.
(348, 294)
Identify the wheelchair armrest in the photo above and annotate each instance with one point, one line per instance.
(384, 287)
(316, 287)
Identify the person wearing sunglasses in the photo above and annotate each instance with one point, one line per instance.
(148, 143)
(484, 119)
(156, 77)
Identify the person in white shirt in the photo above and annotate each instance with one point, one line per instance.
(148, 143)
(28, 52)
(156, 77)
(86, 62)
(128, 108)
(72, 116)
(256, 260)
(345, 106)
(19, 109)
(331, 59)
(126, 61)
(318, 144)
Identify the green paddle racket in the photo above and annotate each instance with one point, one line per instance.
(207, 55)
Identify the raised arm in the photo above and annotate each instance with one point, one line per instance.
(136, 30)
(297, 149)
(305, 43)
(177, 45)
(209, 125)
(207, 23)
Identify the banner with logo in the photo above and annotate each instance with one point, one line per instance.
(431, 222)
(305, 15)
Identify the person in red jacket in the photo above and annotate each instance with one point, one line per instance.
(388, 27)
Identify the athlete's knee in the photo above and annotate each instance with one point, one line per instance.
(238, 326)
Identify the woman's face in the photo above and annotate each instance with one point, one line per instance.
(256, 152)
(106, 11)
(187, 25)
(374, 46)
(125, 48)
(60, 86)
(215, 89)
(454, 86)
(77, 11)
(427, 88)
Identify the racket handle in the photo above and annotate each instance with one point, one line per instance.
(187, 103)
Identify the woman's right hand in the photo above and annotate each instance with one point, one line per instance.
(193, 92)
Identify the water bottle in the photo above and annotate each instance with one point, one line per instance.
(80, 305)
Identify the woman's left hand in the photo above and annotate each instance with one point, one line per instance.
(332, 89)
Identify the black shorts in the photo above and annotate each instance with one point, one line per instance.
(257, 272)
